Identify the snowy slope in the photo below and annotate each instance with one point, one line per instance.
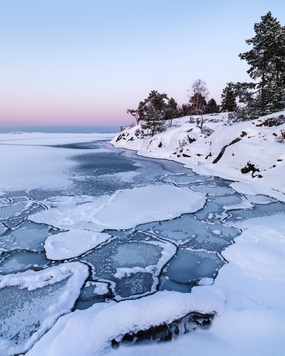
(228, 149)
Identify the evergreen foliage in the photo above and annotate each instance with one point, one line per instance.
(267, 68)
(264, 95)
(211, 107)
(171, 111)
(184, 110)
(153, 121)
(228, 102)
(154, 111)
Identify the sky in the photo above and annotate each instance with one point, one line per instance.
(67, 62)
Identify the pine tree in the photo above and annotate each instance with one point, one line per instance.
(211, 107)
(228, 102)
(157, 100)
(171, 111)
(153, 112)
(267, 66)
(153, 122)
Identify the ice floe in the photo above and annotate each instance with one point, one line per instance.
(65, 245)
(124, 209)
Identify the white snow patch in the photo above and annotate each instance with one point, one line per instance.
(72, 243)
(98, 325)
(125, 208)
(206, 281)
(101, 288)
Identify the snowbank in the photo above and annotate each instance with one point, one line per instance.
(109, 321)
(222, 148)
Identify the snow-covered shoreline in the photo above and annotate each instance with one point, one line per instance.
(252, 284)
(247, 296)
(245, 142)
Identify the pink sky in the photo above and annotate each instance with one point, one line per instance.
(72, 63)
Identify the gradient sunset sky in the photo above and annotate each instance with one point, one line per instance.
(85, 62)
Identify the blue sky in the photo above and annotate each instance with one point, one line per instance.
(86, 62)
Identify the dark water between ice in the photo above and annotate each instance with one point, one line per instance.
(196, 240)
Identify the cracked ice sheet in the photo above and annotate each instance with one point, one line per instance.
(33, 301)
(122, 210)
(249, 321)
(72, 243)
(97, 326)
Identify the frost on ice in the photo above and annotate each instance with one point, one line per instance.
(27, 235)
(191, 232)
(170, 234)
(131, 265)
(16, 209)
(123, 209)
(32, 301)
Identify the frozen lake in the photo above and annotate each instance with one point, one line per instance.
(122, 227)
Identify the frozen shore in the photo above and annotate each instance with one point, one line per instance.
(222, 148)
(247, 296)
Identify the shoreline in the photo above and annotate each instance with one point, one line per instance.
(174, 144)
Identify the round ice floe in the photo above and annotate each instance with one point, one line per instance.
(72, 243)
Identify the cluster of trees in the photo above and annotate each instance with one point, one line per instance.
(264, 95)
(155, 111)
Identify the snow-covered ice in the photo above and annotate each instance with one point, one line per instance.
(65, 245)
(24, 153)
(125, 208)
(32, 301)
(131, 265)
(143, 238)
(27, 235)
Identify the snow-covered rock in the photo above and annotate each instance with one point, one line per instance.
(225, 152)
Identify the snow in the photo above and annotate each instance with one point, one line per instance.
(105, 322)
(256, 141)
(100, 288)
(124, 209)
(42, 167)
(247, 295)
(72, 243)
(33, 301)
